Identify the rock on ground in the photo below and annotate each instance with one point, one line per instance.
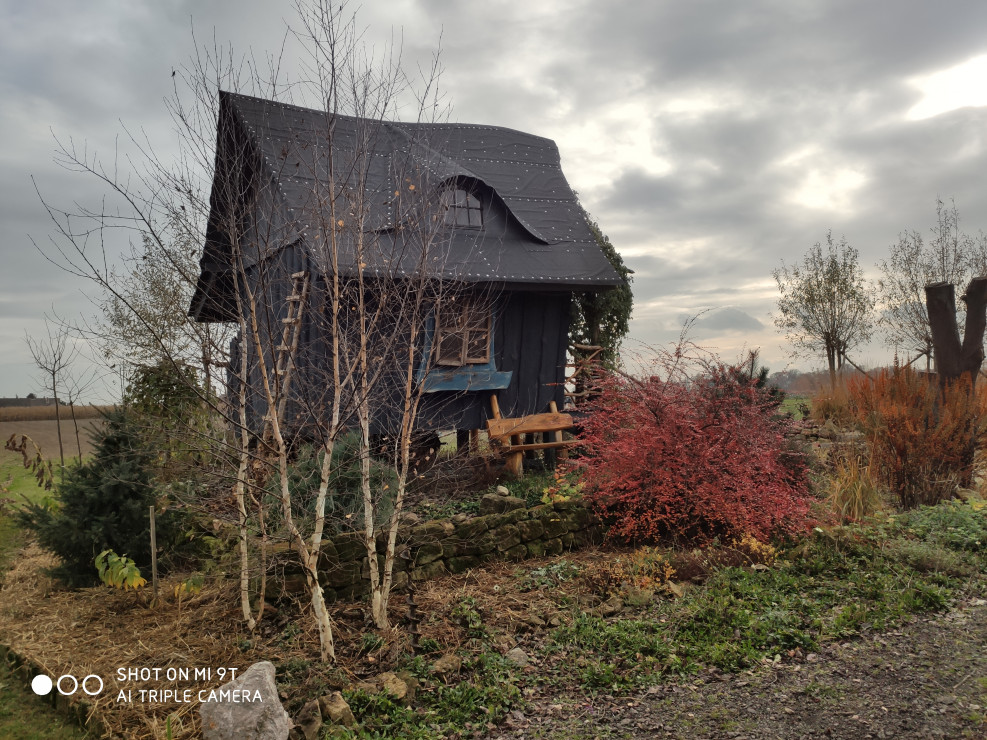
(260, 718)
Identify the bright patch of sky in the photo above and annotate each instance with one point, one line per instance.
(962, 86)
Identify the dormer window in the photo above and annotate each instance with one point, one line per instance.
(461, 208)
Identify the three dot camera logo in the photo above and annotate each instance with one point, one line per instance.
(67, 685)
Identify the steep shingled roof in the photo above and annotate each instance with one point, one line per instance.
(542, 240)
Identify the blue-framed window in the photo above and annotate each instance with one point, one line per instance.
(459, 347)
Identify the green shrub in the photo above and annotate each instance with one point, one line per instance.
(165, 407)
(102, 505)
(344, 503)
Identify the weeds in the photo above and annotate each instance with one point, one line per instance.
(853, 492)
(549, 576)
(467, 614)
(644, 569)
(834, 585)
(922, 437)
(485, 693)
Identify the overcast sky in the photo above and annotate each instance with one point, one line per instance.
(711, 139)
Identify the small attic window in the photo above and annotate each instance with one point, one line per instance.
(463, 334)
(461, 208)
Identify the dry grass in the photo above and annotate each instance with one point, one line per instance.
(99, 630)
(47, 413)
(854, 492)
(833, 404)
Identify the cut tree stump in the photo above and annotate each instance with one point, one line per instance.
(953, 358)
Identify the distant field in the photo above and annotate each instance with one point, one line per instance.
(45, 434)
(793, 404)
(46, 413)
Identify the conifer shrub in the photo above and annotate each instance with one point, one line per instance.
(102, 505)
(344, 503)
(690, 459)
(922, 438)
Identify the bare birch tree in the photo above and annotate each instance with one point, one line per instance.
(374, 307)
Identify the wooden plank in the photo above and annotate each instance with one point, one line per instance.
(465, 379)
(540, 445)
(528, 424)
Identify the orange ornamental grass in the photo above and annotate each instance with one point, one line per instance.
(922, 438)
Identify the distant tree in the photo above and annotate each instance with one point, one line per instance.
(53, 354)
(825, 304)
(145, 312)
(602, 319)
(949, 256)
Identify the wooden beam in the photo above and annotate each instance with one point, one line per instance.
(540, 445)
(529, 424)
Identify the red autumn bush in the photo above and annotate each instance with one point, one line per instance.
(669, 458)
(922, 439)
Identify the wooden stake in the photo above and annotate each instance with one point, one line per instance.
(154, 557)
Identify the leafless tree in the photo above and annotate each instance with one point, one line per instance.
(375, 307)
(948, 256)
(53, 355)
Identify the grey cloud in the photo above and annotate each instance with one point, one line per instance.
(827, 77)
(726, 320)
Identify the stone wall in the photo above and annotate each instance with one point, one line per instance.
(505, 530)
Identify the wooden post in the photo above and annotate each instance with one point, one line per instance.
(463, 443)
(514, 460)
(154, 557)
(562, 453)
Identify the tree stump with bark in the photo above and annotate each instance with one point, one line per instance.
(954, 358)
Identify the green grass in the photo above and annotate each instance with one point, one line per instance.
(16, 482)
(792, 405)
(24, 716)
(486, 689)
(833, 586)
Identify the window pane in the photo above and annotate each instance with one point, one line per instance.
(460, 208)
(478, 346)
(450, 349)
(477, 317)
(451, 315)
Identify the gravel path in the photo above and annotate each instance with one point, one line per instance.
(927, 680)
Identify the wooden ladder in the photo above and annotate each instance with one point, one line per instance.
(284, 362)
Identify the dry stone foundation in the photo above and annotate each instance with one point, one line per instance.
(505, 530)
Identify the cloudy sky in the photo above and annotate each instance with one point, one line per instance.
(711, 139)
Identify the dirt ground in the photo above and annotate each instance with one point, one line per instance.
(927, 680)
(45, 434)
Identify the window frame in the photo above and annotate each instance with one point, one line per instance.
(463, 325)
(461, 208)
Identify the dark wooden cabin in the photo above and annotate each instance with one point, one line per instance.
(509, 229)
